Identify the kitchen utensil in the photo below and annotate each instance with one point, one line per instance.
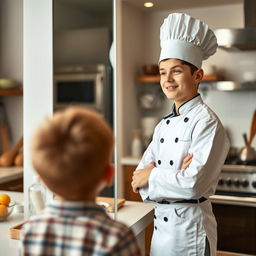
(245, 139)
(253, 128)
(232, 153)
(150, 100)
(147, 101)
(7, 159)
(247, 153)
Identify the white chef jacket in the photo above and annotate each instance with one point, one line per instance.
(195, 130)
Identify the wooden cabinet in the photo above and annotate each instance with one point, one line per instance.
(14, 185)
(128, 192)
(131, 196)
(11, 92)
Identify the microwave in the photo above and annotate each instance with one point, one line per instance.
(86, 85)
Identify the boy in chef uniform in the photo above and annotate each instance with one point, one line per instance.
(72, 153)
(184, 224)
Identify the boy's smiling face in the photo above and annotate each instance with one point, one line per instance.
(177, 82)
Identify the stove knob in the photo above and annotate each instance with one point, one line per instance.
(236, 182)
(254, 184)
(228, 181)
(245, 183)
(221, 181)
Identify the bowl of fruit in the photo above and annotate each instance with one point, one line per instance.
(6, 206)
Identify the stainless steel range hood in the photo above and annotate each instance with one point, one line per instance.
(243, 38)
(228, 86)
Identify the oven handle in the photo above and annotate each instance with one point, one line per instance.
(233, 200)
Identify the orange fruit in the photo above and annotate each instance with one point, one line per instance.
(5, 199)
(3, 210)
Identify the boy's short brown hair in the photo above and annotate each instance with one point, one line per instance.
(71, 150)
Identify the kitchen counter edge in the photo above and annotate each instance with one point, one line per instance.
(10, 173)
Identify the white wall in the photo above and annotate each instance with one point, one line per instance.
(235, 109)
(11, 20)
(132, 60)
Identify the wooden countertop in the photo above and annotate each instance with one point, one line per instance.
(10, 173)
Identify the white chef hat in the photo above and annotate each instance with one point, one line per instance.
(186, 38)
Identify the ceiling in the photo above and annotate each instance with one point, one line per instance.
(103, 6)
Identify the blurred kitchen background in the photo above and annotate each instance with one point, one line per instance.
(140, 45)
(83, 34)
(83, 31)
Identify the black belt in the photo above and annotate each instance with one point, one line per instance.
(188, 201)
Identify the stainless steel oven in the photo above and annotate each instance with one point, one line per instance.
(86, 85)
(234, 206)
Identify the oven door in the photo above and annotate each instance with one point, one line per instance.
(79, 89)
(236, 222)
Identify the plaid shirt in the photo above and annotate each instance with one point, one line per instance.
(76, 228)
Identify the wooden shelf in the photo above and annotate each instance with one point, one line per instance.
(148, 79)
(156, 79)
(210, 77)
(11, 92)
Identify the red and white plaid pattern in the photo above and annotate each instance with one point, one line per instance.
(76, 228)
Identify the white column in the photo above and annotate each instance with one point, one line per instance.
(38, 74)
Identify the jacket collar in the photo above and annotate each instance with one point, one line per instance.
(185, 107)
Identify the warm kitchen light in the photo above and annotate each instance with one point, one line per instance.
(148, 4)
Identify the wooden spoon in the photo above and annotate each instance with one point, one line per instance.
(253, 129)
(7, 158)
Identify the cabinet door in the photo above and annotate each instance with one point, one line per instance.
(128, 192)
(131, 196)
(14, 185)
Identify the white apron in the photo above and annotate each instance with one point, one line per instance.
(181, 229)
